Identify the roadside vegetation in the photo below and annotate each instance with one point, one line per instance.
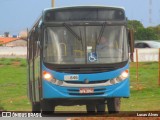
(13, 84)
(1, 107)
(145, 92)
(144, 33)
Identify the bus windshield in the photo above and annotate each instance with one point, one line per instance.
(85, 44)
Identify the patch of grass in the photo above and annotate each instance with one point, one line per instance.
(13, 86)
(13, 61)
(23, 63)
(145, 92)
(147, 75)
(5, 61)
(18, 59)
(1, 107)
(142, 100)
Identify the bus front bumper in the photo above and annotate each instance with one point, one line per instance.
(51, 91)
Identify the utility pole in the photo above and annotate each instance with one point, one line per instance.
(53, 3)
(150, 11)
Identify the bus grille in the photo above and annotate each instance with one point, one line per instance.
(80, 70)
(85, 68)
(90, 82)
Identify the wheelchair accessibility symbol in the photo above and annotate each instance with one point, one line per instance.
(92, 57)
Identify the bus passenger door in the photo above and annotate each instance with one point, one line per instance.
(36, 69)
(30, 68)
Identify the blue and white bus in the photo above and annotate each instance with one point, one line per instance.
(66, 66)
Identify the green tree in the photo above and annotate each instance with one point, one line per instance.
(135, 25)
(156, 29)
(141, 33)
(146, 34)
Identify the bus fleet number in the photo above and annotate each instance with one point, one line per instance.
(71, 77)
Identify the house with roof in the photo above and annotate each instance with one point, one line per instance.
(12, 47)
(12, 42)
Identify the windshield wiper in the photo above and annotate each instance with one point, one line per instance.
(70, 30)
(100, 35)
(101, 32)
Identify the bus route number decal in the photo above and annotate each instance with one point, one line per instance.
(71, 77)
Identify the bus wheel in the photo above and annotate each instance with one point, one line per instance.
(36, 107)
(113, 105)
(101, 108)
(46, 107)
(91, 108)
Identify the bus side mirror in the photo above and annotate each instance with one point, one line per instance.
(131, 43)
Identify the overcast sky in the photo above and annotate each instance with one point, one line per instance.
(17, 15)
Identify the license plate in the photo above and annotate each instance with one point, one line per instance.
(86, 90)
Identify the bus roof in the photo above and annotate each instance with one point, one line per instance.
(91, 6)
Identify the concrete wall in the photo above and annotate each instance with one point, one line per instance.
(16, 43)
(13, 52)
(146, 54)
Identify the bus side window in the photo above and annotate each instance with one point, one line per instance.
(30, 47)
(35, 45)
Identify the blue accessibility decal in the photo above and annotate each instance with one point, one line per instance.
(92, 57)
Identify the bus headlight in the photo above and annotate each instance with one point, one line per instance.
(47, 76)
(120, 78)
(124, 74)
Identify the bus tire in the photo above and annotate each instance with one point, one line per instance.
(113, 105)
(91, 108)
(36, 107)
(46, 107)
(101, 108)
